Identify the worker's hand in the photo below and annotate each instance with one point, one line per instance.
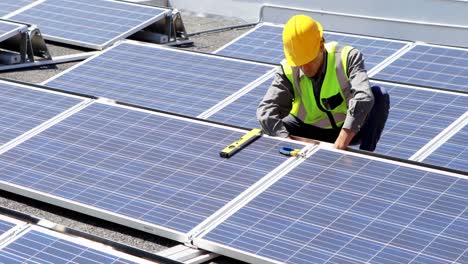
(344, 138)
(303, 139)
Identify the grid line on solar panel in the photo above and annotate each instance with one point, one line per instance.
(186, 83)
(427, 65)
(23, 109)
(8, 6)
(453, 153)
(264, 43)
(90, 23)
(8, 29)
(242, 112)
(416, 117)
(38, 245)
(160, 170)
(357, 209)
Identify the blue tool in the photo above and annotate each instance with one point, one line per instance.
(288, 151)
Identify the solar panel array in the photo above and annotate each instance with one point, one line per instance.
(41, 246)
(163, 174)
(452, 154)
(8, 29)
(433, 66)
(265, 44)
(160, 78)
(156, 169)
(8, 6)
(22, 109)
(339, 208)
(416, 117)
(89, 23)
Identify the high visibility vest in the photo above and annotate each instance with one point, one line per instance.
(335, 88)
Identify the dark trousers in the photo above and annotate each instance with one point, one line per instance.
(369, 134)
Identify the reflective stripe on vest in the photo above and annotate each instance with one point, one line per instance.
(341, 70)
(335, 81)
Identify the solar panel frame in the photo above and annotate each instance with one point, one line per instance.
(43, 245)
(9, 6)
(453, 152)
(10, 29)
(428, 65)
(144, 225)
(372, 62)
(185, 99)
(8, 225)
(433, 184)
(242, 111)
(73, 39)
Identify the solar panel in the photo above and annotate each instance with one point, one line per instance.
(9, 29)
(439, 67)
(39, 245)
(89, 23)
(242, 112)
(160, 78)
(157, 172)
(7, 224)
(342, 208)
(417, 116)
(453, 153)
(8, 6)
(264, 43)
(22, 108)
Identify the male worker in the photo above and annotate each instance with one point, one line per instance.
(321, 91)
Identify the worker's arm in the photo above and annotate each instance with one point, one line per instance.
(344, 138)
(360, 104)
(276, 104)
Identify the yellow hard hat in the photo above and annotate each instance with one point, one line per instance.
(302, 38)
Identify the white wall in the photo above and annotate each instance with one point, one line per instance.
(433, 21)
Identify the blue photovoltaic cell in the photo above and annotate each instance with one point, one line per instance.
(430, 66)
(8, 30)
(89, 23)
(453, 153)
(5, 226)
(242, 112)
(22, 109)
(338, 208)
(39, 247)
(265, 44)
(160, 78)
(416, 117)
(8, 6)
(156, 169)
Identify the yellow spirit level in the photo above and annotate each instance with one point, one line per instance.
(245, 140)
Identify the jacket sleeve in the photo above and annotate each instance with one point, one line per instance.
(362, 99)
(275, 105)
